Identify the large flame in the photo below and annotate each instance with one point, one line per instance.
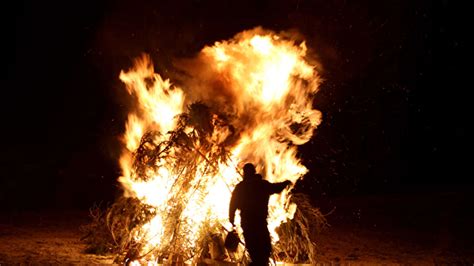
(266, 83)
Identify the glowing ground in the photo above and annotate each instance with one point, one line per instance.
(388, 230)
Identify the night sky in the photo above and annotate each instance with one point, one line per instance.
(394, 101)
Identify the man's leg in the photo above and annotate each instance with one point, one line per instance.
(250, 243)
(258, 244)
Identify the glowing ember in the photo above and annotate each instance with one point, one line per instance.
(264, 85)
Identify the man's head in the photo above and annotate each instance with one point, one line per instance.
(249, 170)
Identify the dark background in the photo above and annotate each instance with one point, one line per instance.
(395, 97)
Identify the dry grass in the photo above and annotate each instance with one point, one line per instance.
(297, 242)
(111, 231)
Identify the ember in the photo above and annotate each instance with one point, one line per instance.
(248, 99)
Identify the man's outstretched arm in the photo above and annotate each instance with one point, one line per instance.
(278, 187)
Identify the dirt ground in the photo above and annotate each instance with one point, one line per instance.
(45, 238)
(378, 230)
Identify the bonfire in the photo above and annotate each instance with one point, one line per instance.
(247, 99)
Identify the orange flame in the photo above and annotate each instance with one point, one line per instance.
(261, 78)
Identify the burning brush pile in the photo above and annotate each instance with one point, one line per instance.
(248, 99)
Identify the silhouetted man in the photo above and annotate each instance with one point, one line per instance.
(251, 197)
